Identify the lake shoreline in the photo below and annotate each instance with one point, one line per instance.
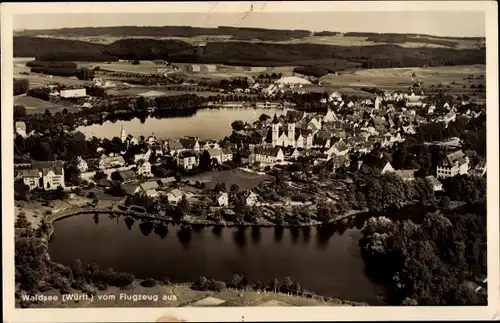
(75, 211)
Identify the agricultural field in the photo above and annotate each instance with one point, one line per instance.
(400, 78)
(245, 180)
(343, 40)
(340, 40)
(34, 105)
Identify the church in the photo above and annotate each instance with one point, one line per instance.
(283, 135)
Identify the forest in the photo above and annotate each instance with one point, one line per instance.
(333, 58)
(240, 33)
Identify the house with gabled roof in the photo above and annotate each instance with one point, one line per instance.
(267, 155)
(144, 168)
(150, 188)
(111, 162)
(127, 176)
(50, 175)
(20, 128)
(330, 116)
(174, 196)
(187, 159)
(190, 143)
(222, 199)
(340, 148)
(456, 163)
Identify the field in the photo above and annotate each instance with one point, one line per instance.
(341, 40)
(400, 78)
(34, 105)
(245, 180)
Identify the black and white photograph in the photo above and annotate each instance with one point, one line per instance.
(186, 158)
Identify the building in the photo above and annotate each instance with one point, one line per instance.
(340, 161)
(406, 174)
(174, 196)
(111, 162)
(435, 183)
(127, 176)
(267, 155)
(453, 164)
(330, 116)
(223, 199)
(340, 148)
(250, 198)
(190, 143)
(282, 137)
(123, 134)
(21, 129)
(82, 165)
(144, 168)
(31, 178)
(44, 175)
(150, 188)
(221, 155)
(187, 160)
(73, 93)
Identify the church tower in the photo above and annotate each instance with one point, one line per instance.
(275, 131)
(377, 102)
(291, 134)
(123, 135)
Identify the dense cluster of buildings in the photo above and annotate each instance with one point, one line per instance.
(347, 128)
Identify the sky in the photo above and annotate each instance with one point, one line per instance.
(439, 23)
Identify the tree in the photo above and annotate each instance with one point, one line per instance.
(238, 125)
(236, 280)
(21, 86)
(234, 189)
(205, 161)
(275, 284)
(19, 112)
(288, 283)
(22, 221)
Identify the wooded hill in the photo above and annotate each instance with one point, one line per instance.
(330, 57)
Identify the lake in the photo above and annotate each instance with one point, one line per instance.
(324, 260)
(204, 124)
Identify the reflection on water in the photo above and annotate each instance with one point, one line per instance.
(204, 123)
(324, 259)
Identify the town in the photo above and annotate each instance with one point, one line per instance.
(402, 162)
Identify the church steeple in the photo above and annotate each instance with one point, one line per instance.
(275, 119)
(123, 135)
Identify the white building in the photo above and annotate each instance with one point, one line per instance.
(144, 168)
(73, 93)
(221, 155)
(174, 196)
(187, 160)
(251, 198)
(44, 175)
(267, 155)
(82, 165)
(223, 199)
(453, 164)
(21, 129)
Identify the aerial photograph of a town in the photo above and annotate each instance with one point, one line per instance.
(201, 160)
